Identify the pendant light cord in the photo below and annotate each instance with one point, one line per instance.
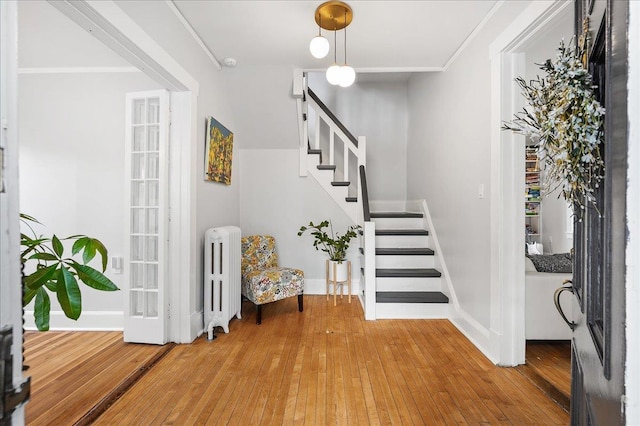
(335, 47)
(345, 37)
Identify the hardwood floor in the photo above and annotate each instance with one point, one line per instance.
(548, 365)
(326, 365)
(73, 373)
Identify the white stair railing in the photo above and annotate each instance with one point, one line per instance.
(319, 129)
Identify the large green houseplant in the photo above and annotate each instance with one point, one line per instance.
(52, 272)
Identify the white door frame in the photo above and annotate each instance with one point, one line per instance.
(507, 326)
(111, 25)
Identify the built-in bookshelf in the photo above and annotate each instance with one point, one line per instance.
(533, 194)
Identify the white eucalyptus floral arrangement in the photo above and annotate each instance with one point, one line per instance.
(565, 118)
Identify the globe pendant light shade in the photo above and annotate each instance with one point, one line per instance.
(319, 47)
(347, 76)
(333, 74)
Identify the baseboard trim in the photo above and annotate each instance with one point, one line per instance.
(478, 335)
(88, 321)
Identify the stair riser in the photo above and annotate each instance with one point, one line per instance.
(412, 310)
(408, 284)
(398, 223)
(390, 261)
(313, 160)
(408, 241)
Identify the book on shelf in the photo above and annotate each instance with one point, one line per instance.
(533, 192)
(532, 208)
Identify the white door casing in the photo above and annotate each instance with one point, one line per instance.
(507, 332)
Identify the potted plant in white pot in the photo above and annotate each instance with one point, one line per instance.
(335, 245)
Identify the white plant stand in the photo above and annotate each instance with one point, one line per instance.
(332, 279)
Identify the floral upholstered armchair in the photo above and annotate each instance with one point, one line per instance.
(263, 281)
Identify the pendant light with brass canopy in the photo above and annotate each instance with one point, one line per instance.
(335, 16)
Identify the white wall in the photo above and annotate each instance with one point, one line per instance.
(72, 169)
(262, 102)
(378, 111)
(448, 157)
(275, 200)
(555, 236)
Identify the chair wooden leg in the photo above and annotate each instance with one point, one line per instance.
(258, 314)
(300, 303)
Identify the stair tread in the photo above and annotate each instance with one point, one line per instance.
(402, 232)
(395, 215)
(314, 151)
(351, 199)
(326, 167)
(337, 183)
(411, 297)
(405, 251)
(407, 273)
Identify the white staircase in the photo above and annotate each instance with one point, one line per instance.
(400, 278)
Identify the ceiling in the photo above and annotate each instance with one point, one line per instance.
(394, 37)
(384, 35)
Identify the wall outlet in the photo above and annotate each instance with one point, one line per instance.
(116, 264)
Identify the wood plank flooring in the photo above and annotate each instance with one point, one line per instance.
(72, 373)
(548, 365)
(323, 366)
(552, 360)
(329, 366)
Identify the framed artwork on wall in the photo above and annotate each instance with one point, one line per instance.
(218, 152)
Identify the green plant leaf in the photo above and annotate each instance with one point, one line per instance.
(43, 256)
(29, 218)
(69, 294)
(58, 248)
(40, 276)
(52, 286)
(79, 244)
(93, 278)
(29, 294)
(42, 309)
(89, 251)
(104, 254)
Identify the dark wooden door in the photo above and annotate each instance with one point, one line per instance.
(599, 280)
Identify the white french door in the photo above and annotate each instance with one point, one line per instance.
(146, 181)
